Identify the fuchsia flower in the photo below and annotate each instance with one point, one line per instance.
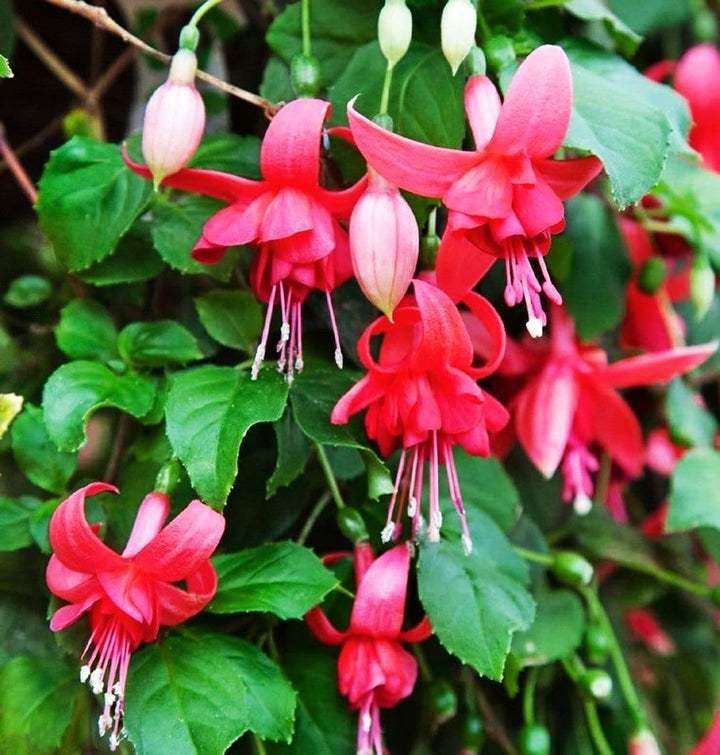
(505, 198)
(422, 395)
(129, 596)
(384, 243)
(710, 743)
(174, 119)
(374, 670)
(290, 220)
(570, 402)
(643, 624)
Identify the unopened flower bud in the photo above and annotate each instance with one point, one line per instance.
(457, 31)
(572, 569)
(702, 285)
(174, 119)
(394, 30)
(384, 241)
(643, 743)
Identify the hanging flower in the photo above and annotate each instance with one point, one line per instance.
(374, 670)
(710, 743)
(569, 402)
(505, 198)
(290, 220)
(174, 119)
(129, 596)
(384, 243)
(422, 396)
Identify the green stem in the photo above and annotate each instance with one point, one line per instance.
(202, 10)
(623, 673)
(329, 476)
(596, 731)
(259, 745)
(305, 21)
(663, 575)
(385, 97)
(534, 556)
(657, 226)
(529, 696)
(425, 671)
(432, 222)
(485, 30)
(314, 514)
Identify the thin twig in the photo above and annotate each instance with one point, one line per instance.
(21, 177)
(36, 139)
(100, 18)
(71, 80)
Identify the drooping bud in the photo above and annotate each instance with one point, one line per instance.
(174, 119)
(457, 31)
(643, 743)
(702, 285)
(394, 30)
(384, 242)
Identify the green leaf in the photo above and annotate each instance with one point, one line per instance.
(5, 70)
(132, 260)
(177, 226)
(10, 406)
(230, 153)
(86, 331)
(426, 100)
(281, 578)
(337, 27)
(557, 631)
(691, 424)
(323, 724)
(475, 602)
(15, 516)
(77, 389)
(156, 344)
(209, 410)
(88, 200)
(485, 487)
(276, 85)
(37, 696)
(595, 10)
(232, 318)
(594, 290)
(695, 492)
(293, 453)
(28, 291)
(198, 693)
(37, 456)
(650, 17)
(313, 396)
(628, 121)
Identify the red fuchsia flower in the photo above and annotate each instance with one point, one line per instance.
(374, 670)
(650, 321)
(422, 396)
(505, 198)
(384, 243)
(174, 119)
(643, 624)
(697, 79)
(710, 743)
(290, 220)
(129, 595)
(570, 402)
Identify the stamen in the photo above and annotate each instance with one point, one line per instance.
(388, 532)
(582, 504)
(96, 681)
(435, 515)
(260, 351)
(84, 673)
(336, 334)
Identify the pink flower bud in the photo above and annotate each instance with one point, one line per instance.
(643, 743)
(174, 119)
(384, 242)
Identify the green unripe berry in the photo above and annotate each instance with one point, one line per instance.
(352, 525)
(596, 685)
(534, 740)
(572, 569)
(305, 75)
(651, 276)
(597, 644)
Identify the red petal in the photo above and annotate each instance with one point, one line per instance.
(290, 152)
(129, 592)
(341, 203)
(417, 167)
(483, 192)
(418, 633)
(237, 224)
(176, 605)
(149, 520)
(182, 547)
(212, 183)
(659, 367)
(650, 322)
(537, 208)
(400, 669)
(319, 624)
(536, 111)
(380, 599)
(482, 105)
(544, 412)
(72, 539)
(494, 334)
(66, 615)
(567, 177)
(359, 397)
(460, 264)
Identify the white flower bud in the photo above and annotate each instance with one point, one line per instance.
(394, 30)
(457, 31)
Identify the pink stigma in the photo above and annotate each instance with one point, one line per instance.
(106, 672)
(523, 285)
(577, 468)
(369, 741)
(290, 346)
(409, 488)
